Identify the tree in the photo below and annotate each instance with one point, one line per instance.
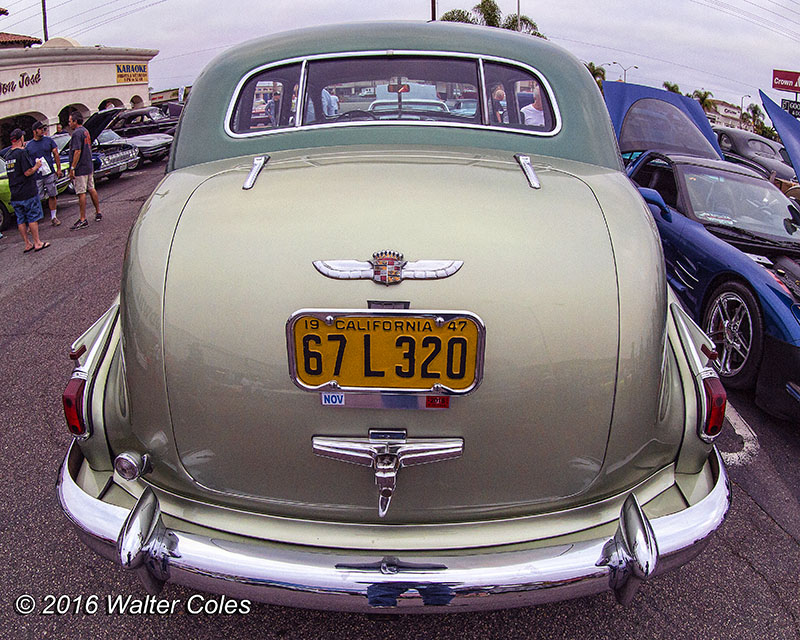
(768, 132)
(704, 98)
(488, 14)
(598, 73)
(755, 113)
(671, 87)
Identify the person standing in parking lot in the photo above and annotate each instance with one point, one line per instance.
(24, 198)
(44, 147)
(81, 169)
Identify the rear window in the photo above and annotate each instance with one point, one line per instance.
(654, 124)
(390, 88)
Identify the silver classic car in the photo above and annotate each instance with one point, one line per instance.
(429, 361)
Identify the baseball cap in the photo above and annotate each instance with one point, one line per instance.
(38, 125)
(16, 134)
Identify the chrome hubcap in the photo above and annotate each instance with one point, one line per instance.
(731, 329)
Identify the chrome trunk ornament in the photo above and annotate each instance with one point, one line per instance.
(387, 452)
(387, 267)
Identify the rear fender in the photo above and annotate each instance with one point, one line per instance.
(92, 353)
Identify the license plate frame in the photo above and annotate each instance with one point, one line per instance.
(468, 330)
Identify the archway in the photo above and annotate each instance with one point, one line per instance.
(23, 121)
(137, 102)
(63, 115)
(108, 103)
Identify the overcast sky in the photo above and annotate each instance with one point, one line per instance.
(728, 47)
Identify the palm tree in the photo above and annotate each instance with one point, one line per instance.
(671, 87)
(745, 117)
(488, 14)
(704, 98)
(768, 132)
(755, 113)
(598, 73)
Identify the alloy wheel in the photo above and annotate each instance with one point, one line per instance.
(730, 327)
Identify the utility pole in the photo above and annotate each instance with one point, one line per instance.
(44, 18)
(518, 23)
(433, 10)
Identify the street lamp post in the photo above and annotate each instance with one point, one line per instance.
(624, 69)
(44, 19)
(741, 108)
(519, 28)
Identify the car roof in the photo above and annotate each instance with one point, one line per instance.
(721, 165)
(585, 135)
(744, 133)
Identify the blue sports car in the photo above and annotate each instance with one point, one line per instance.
(731, 240)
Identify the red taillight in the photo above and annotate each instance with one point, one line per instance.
(73, 406)
(716, 399)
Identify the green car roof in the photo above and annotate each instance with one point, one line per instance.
(586, 134)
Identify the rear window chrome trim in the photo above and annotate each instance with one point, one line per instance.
(480, 59)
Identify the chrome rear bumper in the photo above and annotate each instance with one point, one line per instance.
(319, 578)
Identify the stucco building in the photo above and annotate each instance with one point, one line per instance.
(48, 82)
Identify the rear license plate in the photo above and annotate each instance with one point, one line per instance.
(387, 351)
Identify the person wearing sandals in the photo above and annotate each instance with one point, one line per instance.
(24, 195)
(43, 146)
(81, 169)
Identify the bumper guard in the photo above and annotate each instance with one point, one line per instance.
(337, 580)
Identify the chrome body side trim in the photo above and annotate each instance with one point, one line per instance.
(463, 580)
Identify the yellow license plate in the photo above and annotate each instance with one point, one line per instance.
(389, 351)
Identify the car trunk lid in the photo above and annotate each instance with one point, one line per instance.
(538, 271)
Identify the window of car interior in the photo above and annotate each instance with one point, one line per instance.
(516, 99)
(761, 148)
(267, 100)
(660, 176)
(382, 88)
(385, 88)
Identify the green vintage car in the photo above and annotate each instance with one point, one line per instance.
(412, 360)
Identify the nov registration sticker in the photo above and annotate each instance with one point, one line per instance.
(398, 351)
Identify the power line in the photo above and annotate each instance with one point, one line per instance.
(93, 26)
(750, 17)
(75, 15)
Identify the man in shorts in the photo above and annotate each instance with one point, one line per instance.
(81, 169)
(43, 146)
(24, 197)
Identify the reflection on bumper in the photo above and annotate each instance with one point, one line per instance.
(339, 580)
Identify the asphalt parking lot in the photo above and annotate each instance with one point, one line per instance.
(745, 585)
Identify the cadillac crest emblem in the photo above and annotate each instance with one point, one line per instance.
(387, 267)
